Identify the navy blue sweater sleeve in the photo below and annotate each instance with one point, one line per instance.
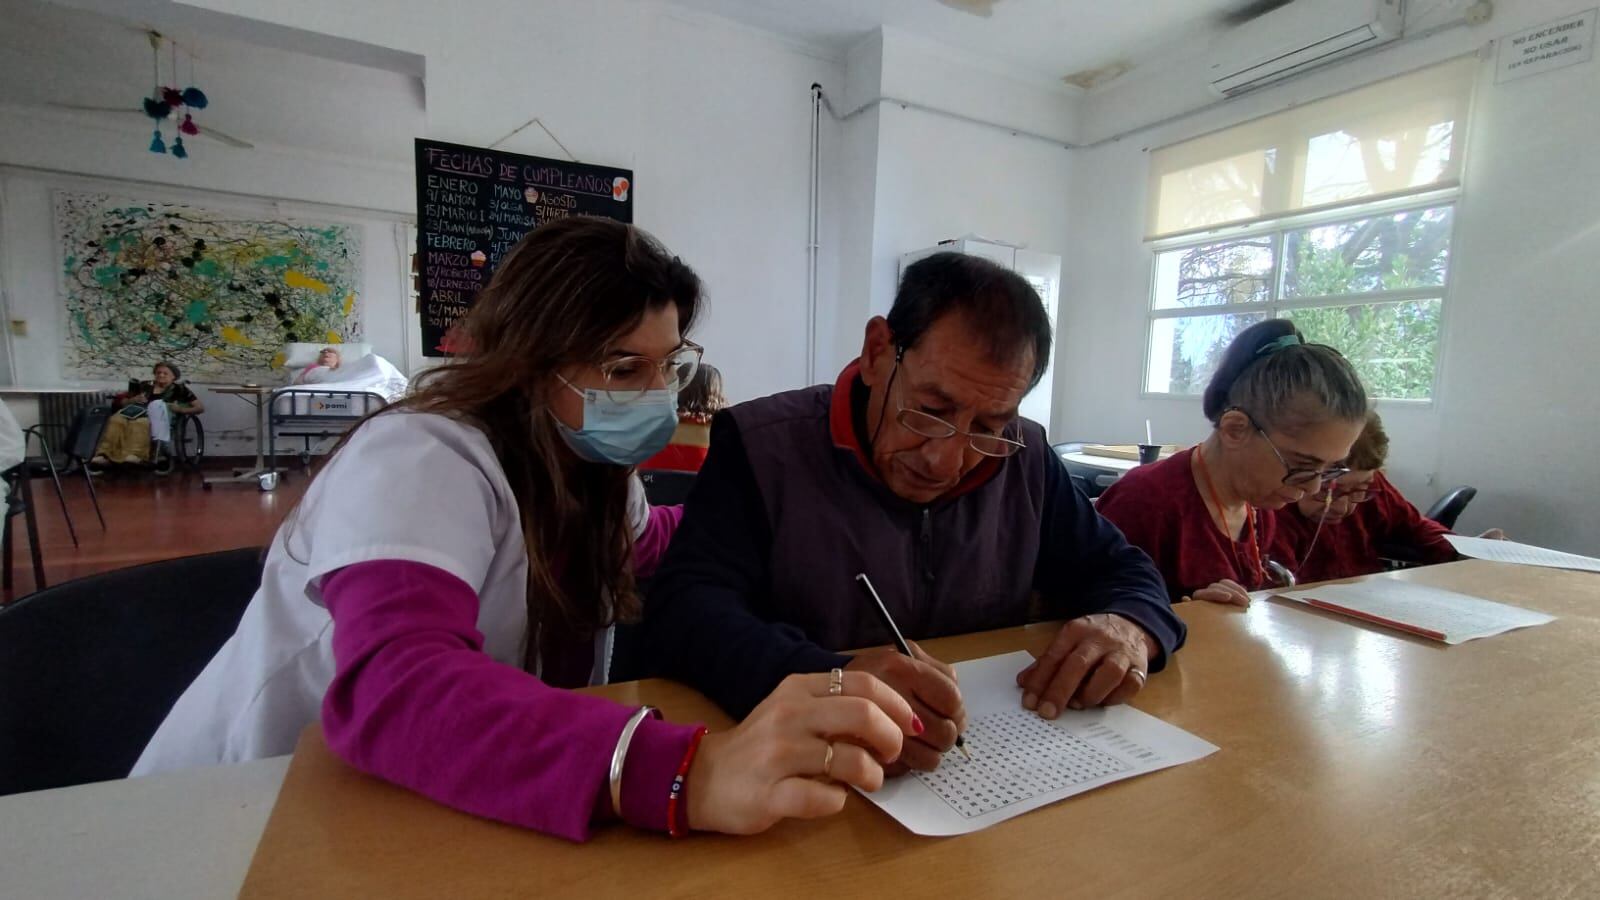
(704, 616)
(1086, 566)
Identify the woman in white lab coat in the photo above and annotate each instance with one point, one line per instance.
(460, 561)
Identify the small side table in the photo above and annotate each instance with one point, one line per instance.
(264, 477)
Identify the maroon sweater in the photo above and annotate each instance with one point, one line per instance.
(1385, 524)
(1160, 509)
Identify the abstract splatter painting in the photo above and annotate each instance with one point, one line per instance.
(218, 294)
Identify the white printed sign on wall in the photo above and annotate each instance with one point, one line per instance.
(1553, 45)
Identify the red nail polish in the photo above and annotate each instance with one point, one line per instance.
(916, 725)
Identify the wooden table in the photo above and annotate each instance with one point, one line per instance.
(1355, 763)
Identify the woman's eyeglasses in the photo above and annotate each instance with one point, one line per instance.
(1293, 476)
(629, 377)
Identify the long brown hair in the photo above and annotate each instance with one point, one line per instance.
(564, 295)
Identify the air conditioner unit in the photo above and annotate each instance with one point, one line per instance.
(1300, 36)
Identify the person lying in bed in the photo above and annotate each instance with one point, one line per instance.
(324, 371)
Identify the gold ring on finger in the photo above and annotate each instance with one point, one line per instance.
(835, 688)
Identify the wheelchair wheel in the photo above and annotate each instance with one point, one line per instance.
(189, 444)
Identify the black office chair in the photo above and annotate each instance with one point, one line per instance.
(83, 436)
(1450, 506)
(666, 488)
(90, 668)
(1092, 480)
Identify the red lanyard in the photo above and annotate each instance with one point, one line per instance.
(1250, 521)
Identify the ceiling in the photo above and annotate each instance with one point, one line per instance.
(1046, 38)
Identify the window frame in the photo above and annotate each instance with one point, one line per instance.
(1276, 304)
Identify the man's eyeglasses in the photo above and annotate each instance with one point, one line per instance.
(931, 426)
(1297, 477)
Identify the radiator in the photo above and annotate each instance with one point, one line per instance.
(56, 412)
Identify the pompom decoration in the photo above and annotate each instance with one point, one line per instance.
(156, 109)
(194, 98)
(189, 127)
(177, 148)
(171, 96)
(156, 144)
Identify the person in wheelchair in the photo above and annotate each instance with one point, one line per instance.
(140, 431)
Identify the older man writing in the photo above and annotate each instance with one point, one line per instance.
(915, 469)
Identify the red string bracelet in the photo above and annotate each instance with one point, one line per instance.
(678, 826)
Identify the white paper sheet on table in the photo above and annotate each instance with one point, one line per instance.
(1407, 606)
(1522, 554)
(1021, 762)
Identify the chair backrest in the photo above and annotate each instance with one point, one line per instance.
(90, 668)
(1449, 507)
(666, 488)
(83, 435)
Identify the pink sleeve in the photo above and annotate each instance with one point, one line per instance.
(415, 701)
(651, 544)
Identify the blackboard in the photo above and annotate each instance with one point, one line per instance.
(473, 205)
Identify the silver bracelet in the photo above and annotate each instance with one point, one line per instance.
(620, 756)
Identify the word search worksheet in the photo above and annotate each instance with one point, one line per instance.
(1021, 762)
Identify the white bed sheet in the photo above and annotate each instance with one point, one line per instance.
(369, 373)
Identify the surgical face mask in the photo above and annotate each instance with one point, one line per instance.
(622, 434)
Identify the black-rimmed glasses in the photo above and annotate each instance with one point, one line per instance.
(1297, 477)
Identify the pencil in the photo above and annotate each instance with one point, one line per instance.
(1376, 619)
(899, 640)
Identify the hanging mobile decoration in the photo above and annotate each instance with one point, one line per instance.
(165, 101)
(156, 105)
(174, 98)
(192, 97)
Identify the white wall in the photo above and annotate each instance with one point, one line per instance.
(936, 177)
(1516, 405)
(713, 117)
(853, 167)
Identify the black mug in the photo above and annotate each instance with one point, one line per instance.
(1149, 453)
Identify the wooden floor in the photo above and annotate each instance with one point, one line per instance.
(147, 518)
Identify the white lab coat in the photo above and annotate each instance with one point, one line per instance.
(411, 486)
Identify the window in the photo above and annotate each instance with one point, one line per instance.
(1336, 214)
(1371, 286)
